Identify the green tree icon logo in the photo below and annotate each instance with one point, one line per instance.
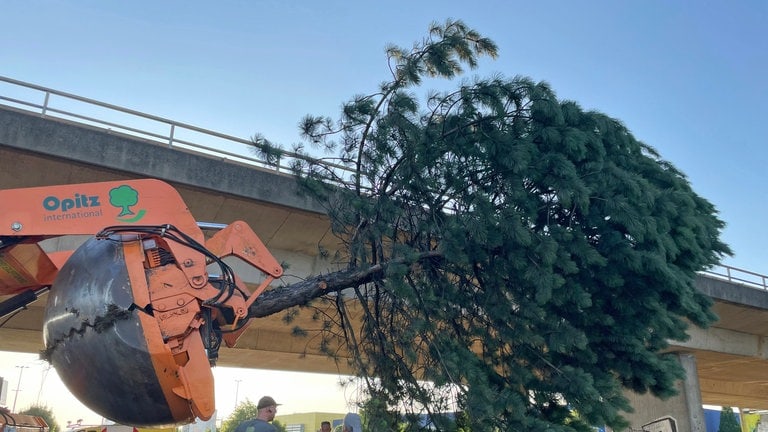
(124, 197)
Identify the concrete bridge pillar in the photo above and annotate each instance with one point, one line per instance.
(685, 408)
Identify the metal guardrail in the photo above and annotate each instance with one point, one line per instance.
(210, 143)
(56, 104)
(738, 276)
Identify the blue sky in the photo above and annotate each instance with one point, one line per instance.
(688, 78)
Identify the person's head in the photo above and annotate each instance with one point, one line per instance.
(267, 408)
(352, 423)
(325, 426)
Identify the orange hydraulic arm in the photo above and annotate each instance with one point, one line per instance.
(136, 302)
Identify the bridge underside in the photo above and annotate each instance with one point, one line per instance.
(736, 377)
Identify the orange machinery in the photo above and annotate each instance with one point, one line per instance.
(21, 422)
(134, 318)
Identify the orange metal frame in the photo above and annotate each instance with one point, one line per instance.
(176, 293)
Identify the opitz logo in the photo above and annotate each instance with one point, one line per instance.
(53, 203)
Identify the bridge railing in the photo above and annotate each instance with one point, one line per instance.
(53, 103)
(162, 131)
(738, 276)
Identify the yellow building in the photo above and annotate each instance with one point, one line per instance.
(309, 422)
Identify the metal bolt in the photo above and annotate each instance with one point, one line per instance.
(198, 281)
(16, 226)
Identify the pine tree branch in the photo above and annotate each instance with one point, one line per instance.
(301, 293)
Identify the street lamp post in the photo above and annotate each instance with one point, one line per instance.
(18, 387)
(237, 391)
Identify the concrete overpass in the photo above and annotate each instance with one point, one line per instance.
(40, 145)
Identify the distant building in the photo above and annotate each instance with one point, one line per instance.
(3, 391)
(309, 422)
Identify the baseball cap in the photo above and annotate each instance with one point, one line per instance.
(265, 402)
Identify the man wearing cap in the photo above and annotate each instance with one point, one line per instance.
(267, 408)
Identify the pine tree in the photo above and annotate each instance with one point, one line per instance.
(728, 422)
(516, 257)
